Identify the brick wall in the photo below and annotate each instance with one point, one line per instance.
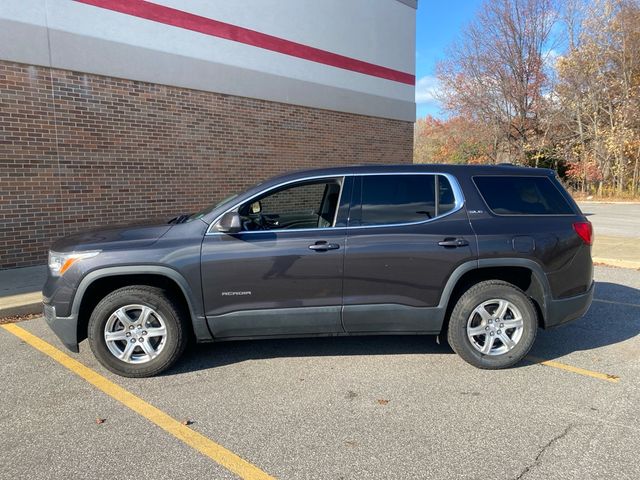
(79, 151)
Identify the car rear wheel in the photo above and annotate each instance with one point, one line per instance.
(137, 331)
(493, 325)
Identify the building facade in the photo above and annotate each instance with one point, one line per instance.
(117, 111)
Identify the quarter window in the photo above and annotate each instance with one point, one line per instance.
(526, 195)
(392, 199)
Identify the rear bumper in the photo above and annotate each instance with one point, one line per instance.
(566, 310)
(66, 328)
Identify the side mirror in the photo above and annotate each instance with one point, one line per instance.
(229, 223)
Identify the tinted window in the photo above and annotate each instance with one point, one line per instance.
(298, 199)
(390, 199)
(522, 195)
(447, 199)
(302, 205)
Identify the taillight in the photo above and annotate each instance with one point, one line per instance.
(584, 231)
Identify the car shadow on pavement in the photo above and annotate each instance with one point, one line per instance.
(205, 356)
(613, 317)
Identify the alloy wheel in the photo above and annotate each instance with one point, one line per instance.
(135, 333)
(495, 327)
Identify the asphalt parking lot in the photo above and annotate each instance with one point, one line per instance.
(346, 408)
(617, 233)
(613, 219)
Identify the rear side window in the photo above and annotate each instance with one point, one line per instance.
(392, 199)
(524, 195)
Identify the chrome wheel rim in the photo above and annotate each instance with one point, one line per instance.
(495, 327)
(135, 334)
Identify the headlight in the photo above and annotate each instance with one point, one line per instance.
(60, 262)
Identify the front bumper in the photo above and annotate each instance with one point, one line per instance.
(566, 310)
(66, 328)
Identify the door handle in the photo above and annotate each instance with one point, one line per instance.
(453, 242)
(322, 246)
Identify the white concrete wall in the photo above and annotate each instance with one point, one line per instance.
(72, 35)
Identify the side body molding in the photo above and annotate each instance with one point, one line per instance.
(194, 303)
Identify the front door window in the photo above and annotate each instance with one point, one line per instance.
(306, 205)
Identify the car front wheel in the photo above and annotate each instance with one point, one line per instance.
(493, 325)
(137, 331)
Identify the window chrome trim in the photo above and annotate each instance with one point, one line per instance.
(453, 181)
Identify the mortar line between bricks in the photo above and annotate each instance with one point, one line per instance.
(216, 452)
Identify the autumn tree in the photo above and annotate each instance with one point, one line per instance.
(544, 84)
(496, 73)
(598, 96)
(455, 140)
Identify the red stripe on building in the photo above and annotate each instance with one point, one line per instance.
(215, 28)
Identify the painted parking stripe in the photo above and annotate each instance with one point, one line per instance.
(607, 377)
(195, 440)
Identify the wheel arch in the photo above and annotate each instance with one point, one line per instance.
(98, 283)
(523, 273)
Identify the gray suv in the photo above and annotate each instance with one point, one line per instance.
(482, 254)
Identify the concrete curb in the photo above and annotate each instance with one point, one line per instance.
(22, 304)
(614, 262)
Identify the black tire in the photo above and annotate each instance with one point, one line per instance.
(476, 296)
(175, 340)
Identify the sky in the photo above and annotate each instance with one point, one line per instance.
(439, 22)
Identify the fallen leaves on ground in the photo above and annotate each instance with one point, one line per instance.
(19, 318)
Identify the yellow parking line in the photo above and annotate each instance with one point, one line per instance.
(580, 371)
(199, 442)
